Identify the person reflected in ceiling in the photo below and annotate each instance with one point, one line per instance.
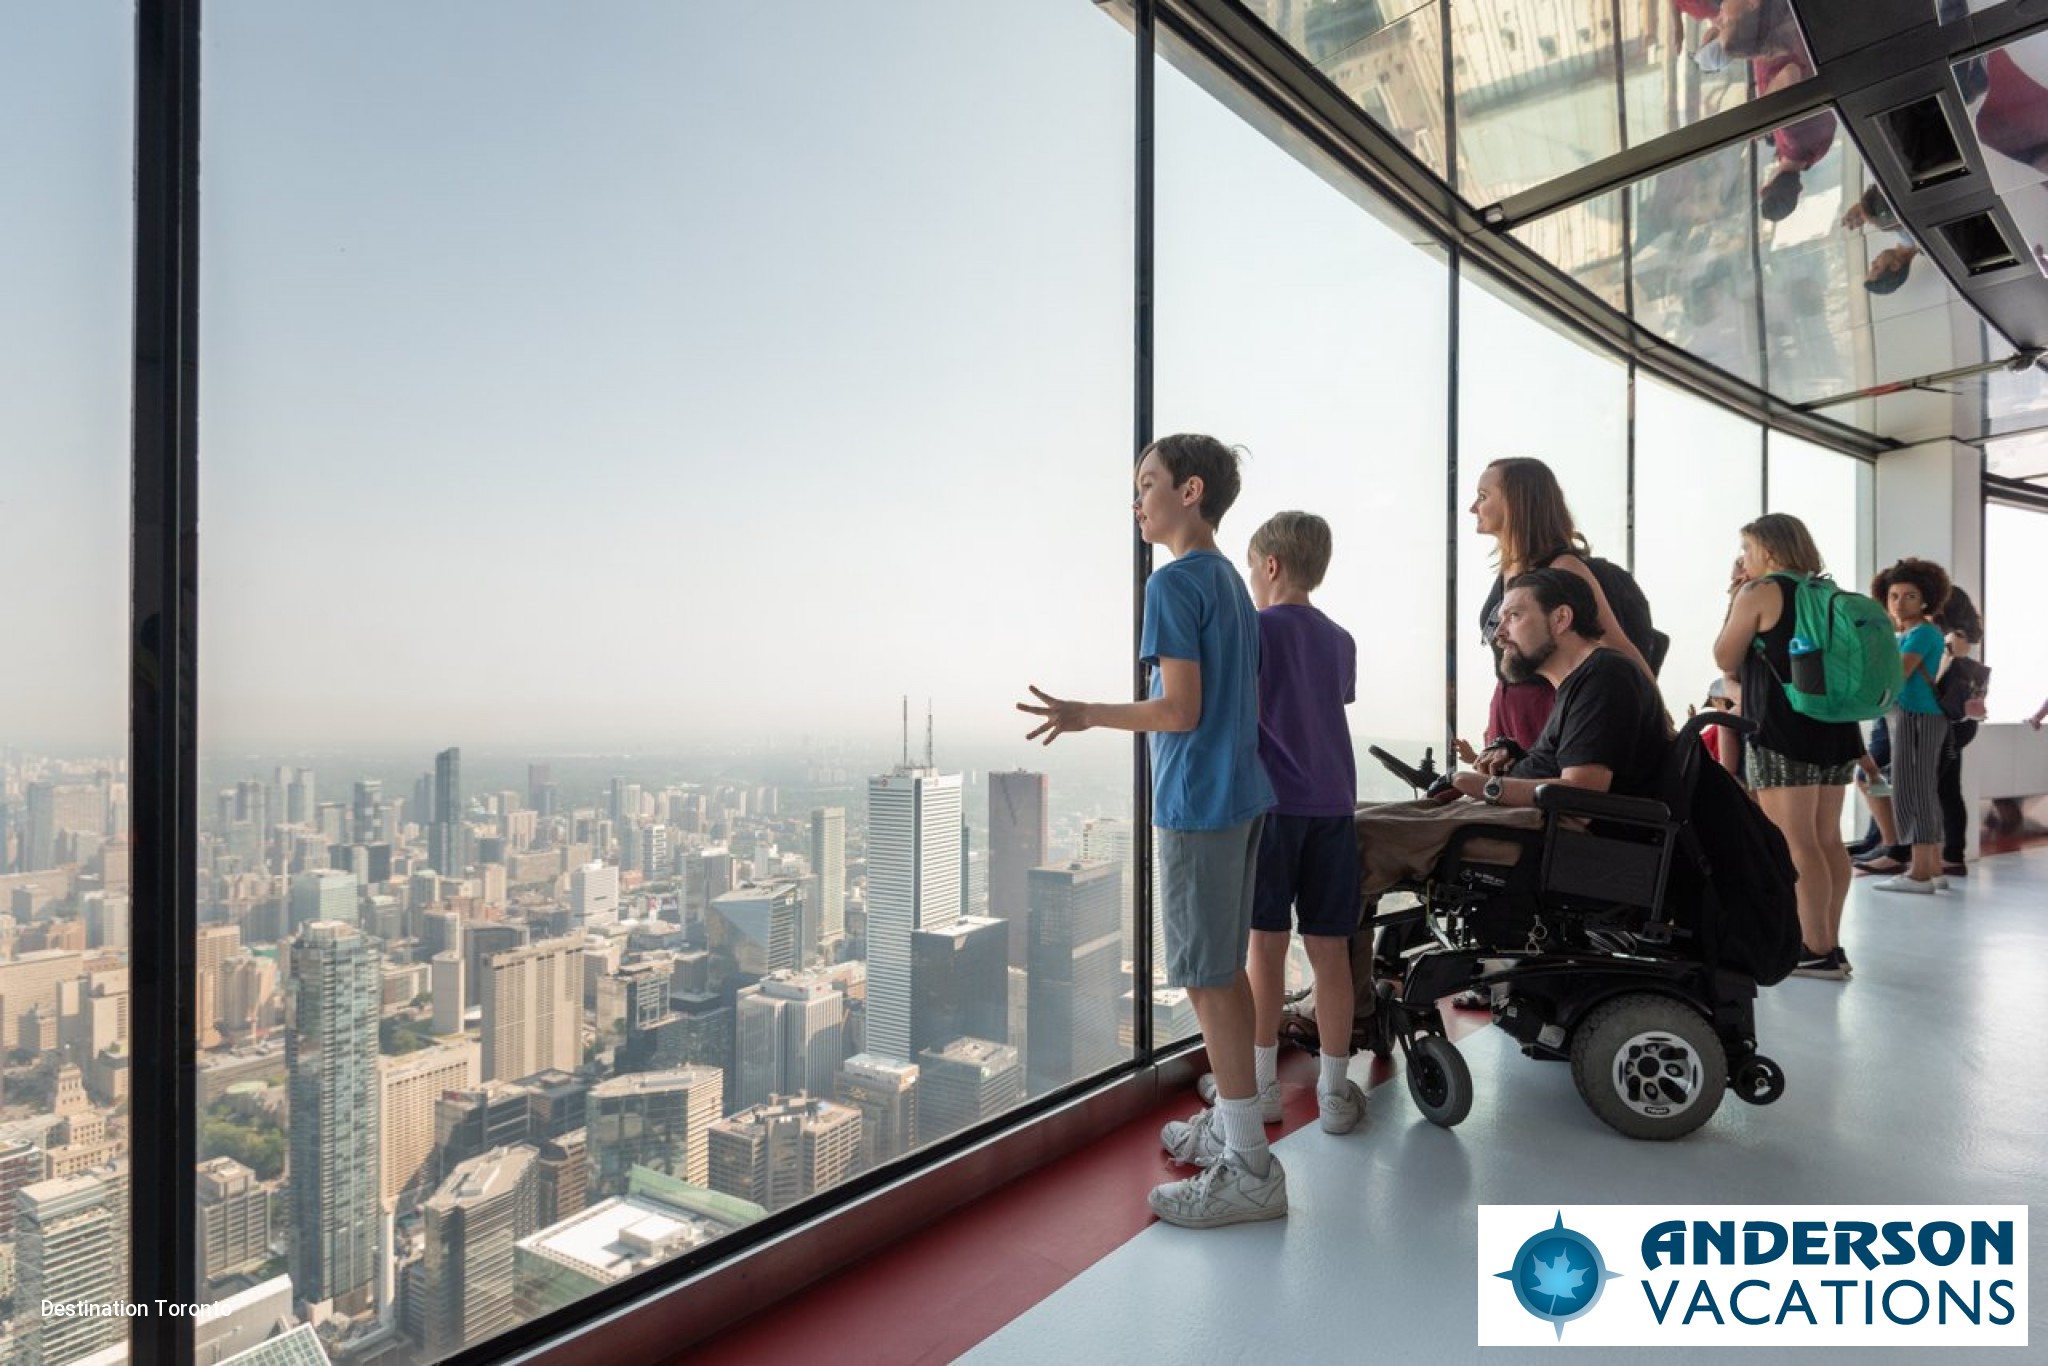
(1888, 268)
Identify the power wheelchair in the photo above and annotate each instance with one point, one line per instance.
(1586, 954)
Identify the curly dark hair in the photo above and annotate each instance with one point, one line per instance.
(1927, 576)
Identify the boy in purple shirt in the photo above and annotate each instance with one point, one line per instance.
(1308, 850)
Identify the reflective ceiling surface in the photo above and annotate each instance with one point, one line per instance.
(1812, 254)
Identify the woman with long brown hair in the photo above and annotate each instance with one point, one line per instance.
(1520, 505)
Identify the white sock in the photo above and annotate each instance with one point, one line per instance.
(1331, 1082)
(1244, 1133)
(1265, 1064)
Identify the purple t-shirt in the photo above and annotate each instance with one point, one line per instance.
(1308, 674)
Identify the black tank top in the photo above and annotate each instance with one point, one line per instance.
(1780, 728)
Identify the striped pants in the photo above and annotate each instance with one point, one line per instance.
(1918, 741)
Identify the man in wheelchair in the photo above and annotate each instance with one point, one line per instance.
(1607, 733)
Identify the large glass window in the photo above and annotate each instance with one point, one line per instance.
(1512, 369)
(1698, 479)
(1830, 493)
(646, 461)
(66, 155)
(2015, 566)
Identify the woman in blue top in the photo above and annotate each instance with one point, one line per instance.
(1913, 591)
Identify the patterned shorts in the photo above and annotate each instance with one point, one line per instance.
(1768, 768)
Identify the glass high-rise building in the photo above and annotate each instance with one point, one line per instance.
(828, 866)
(1074, 973)
(1019, 834)
(332, 994)
(913, 884)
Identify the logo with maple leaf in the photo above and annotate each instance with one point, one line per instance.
(1558, 1275)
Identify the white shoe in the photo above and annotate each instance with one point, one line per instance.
(1196, 1141)
(1224, 1193)
(1902, 883)
(1342, 1111)
(1269, 1099)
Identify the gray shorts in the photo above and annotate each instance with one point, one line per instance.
(1207, 878)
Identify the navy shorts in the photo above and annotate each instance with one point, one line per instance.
(1308, 871)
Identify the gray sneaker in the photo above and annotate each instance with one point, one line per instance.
(1196, 1140)
(1343, 1111)
(1225, 1193)
(1269, 1099)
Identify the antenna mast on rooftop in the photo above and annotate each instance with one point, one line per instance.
(928, 733)
(906, 730)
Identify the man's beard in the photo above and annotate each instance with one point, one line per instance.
(1517, 667)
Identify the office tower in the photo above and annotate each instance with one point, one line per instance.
(594, 895)
(1019, 835)
(21, 1164)
(965, 1082)
(828, 865)
(962, 974)
(327, 894)
(472, 1121)
(444, 979)
(247, 986)
(776, 1154)
(332, 994)
(216, 945)
(480, 939)
(445, 830)
(366, 812)
(486, 1205)
(753, 929)
(1111, 841)
(885, 1093)
(654, 860)
(8, 831)
(533, 1009)
(973, 877)
(299, 797)
(704, 1031)
(562, 1178)
(633, 1014)
(913, 884)
(657, 1120)
(408, 1087)
(234, 1219)
(706, 875)
(106, 920)
(539, 778)
(790, 1027)
(28, 991)
(1075, 973)
(71, 1247)
(55, 809)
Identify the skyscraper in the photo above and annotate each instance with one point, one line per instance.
(444, 832)
(1074, 973)
(885, 1093)
(486, 1205)
(658, 1120)
(367, 814)
(776, 1154)
(913, 884)
(754, 929)
(323, 894)
(1019, 832)
(790, 1026)
(408, 1086)
(71, 1247)
(961, 973)
(1111, 841)
(533, 1009)
(234, 1219)
(594, 895)
(332, 996)
(963, 1083)
(828, 865)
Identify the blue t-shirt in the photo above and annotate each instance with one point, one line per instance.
(1208, 778)
(1925, 641)
(1308, 674)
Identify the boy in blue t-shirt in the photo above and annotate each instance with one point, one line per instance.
(1209, 798)
(1308, 850)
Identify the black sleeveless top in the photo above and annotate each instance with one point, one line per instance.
(1780, 728)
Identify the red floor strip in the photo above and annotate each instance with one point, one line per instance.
(937, 1293)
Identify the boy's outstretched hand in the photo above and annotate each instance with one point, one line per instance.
(1060, 715)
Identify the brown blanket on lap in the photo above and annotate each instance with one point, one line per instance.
(1399, 840)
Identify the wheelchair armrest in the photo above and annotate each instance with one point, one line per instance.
(1561, 799)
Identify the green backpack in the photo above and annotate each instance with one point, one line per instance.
(1845, 658)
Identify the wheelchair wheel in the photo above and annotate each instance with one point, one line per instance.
(1649, 1066)
(1758, 1081)
(1439, 1080)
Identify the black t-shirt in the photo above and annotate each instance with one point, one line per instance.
(1607, 713)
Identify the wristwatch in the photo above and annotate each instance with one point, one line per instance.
(1492, 790)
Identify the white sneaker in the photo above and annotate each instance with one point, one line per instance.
(1225, 1193)
(1900, 882)
(1269, 1099)
(1196, 1141)
(1342, 1111)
